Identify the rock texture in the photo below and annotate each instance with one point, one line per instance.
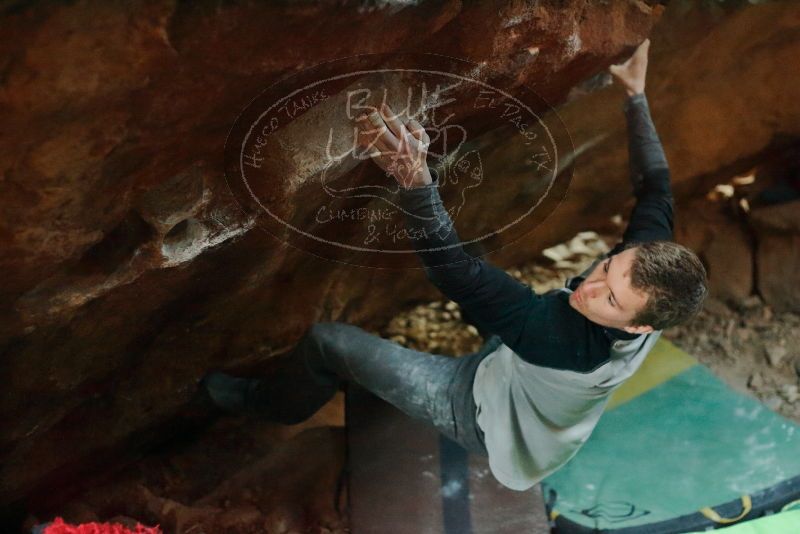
(778, 254)
(128, 269)
(725, 245)
(234, 477)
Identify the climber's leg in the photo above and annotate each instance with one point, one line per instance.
(431, 387)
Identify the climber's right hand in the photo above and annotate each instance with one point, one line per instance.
(398, 147)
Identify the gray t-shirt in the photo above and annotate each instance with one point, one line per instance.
(535, 418)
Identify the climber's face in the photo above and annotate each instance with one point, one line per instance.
(606, 297)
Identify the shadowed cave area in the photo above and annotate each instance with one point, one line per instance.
(135, 260)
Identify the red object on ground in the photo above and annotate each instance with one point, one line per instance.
(59, 527)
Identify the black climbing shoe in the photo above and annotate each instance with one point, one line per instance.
(228, 392)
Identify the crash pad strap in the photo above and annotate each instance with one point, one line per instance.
(747, 505)
(786, 522)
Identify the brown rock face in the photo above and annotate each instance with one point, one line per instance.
(724, 244)
(128, 267)
(778, 254)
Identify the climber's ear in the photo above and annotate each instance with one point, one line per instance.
(638, 329)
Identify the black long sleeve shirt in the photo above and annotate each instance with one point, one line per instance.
(541, 328)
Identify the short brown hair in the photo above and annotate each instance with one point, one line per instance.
(673, 278)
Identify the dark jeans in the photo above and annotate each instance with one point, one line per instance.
(430, 387)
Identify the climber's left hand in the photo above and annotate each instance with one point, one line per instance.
(399, 147)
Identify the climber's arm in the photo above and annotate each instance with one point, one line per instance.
(494, 300)
(652, 216)
(541, 329)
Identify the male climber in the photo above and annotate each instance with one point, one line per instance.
(532, 396)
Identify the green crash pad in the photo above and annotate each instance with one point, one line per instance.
(677, 450)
